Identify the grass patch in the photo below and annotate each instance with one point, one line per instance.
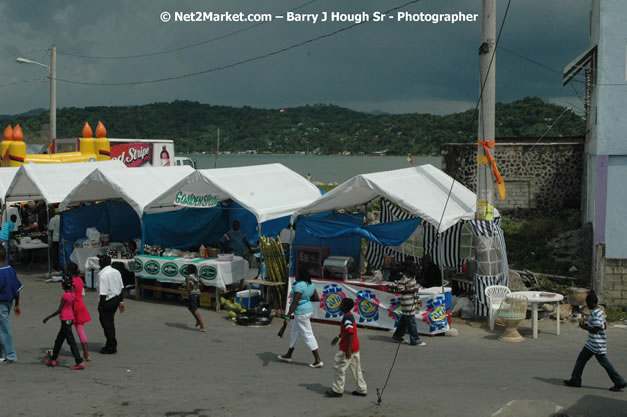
(615, 314)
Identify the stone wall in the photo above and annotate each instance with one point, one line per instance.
(544, 175)
(610, 280)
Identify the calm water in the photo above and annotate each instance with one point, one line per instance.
(324, 169)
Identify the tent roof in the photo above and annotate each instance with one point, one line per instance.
(6, 177)
(422, 191)
(136, 186)
(51, 182)
(269, 191)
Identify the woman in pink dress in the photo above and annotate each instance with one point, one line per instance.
(80, 310)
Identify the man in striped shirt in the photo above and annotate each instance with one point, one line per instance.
(407, 287)
(596, 345)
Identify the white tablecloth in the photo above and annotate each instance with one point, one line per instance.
(33, 244)
(80, 255)
(92, 267)
(212, 272)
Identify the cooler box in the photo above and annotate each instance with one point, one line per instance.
(248, 296)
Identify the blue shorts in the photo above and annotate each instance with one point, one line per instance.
(193, 302)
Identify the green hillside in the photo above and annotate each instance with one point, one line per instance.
(325, 129)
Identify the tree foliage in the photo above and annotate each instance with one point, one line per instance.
(318, 128)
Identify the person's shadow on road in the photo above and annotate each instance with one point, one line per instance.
(560, 382)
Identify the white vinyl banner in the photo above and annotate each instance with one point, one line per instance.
(376, 308)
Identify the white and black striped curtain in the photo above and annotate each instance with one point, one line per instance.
(444, 251)
(375, 253)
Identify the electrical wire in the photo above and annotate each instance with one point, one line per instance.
(181, 48)
(21, 82)
(536, 63)
(545, 132)
(380, 393)
(235, 64)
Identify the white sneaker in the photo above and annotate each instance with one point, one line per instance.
(284, 358)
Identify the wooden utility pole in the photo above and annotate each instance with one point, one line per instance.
(215, 165)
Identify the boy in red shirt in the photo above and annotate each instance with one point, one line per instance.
(348, 356)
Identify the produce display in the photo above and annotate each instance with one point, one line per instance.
(276, 265)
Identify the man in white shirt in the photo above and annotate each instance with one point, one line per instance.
(53, 233)
(110, 289)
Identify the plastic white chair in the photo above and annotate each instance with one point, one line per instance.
(495, 295)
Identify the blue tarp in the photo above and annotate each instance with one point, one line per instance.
(185, 229)
(387, 234)
(338, 246)
(116, 218)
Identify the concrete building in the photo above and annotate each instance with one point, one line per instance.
(604, 196)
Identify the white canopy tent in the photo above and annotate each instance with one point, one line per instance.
(268, 191)
(136, 186)
(6, 177)
(423, 191)
(52, 182)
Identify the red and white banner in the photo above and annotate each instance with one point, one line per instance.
(133, 154)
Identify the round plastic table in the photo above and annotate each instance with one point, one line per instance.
(541, 297)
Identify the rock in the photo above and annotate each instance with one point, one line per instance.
(548, 307)
(573, 269)
(452, 332)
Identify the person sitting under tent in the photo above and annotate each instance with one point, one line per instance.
(235, 241)
(429, 273)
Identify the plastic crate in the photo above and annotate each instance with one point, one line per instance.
(207, 300)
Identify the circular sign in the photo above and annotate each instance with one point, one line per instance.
(138, 265)
(152, 267)
(437, 318)
(208, 272)
(367, 309)
(169, 269)
(183, 271)
(332, 303)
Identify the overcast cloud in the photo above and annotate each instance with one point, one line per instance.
(398, 67)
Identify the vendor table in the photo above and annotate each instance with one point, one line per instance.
(377, 308)
(536, 297)
(212, 272)
(80, 255)
(265, 285)
(92, 267)
(31, 246)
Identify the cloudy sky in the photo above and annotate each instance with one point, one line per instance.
(397, 67)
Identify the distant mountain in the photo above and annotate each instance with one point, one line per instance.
(21, 115)
(318, 128)
(377, 112)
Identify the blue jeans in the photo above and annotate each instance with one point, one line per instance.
(407, 324)
(584, 357)
(6, 338)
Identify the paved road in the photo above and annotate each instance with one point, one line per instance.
(165, 367)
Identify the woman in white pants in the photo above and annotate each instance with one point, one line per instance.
(303, 293)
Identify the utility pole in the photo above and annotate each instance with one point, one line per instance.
(488, 254)
(53, 93)
(215, 165)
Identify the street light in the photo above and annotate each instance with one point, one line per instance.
(52, 68)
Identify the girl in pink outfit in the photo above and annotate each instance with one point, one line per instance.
(66, 313)
(81, 315)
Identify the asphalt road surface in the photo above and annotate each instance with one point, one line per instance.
(166, 367)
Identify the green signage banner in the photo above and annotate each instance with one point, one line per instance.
(193, 200)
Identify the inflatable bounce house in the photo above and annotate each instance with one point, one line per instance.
(13, 149)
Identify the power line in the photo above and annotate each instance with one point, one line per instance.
(545, 132)
(21, 82)
(181, 48)
(535, 62)
(245, 61)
